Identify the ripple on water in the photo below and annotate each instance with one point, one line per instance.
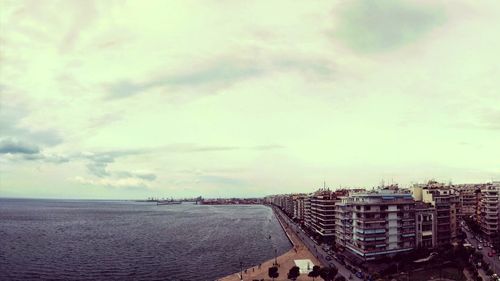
(95, 240)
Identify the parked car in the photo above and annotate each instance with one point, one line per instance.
(494, 252)
(359, 274)
(479, 247)
(328, 258)
(490, 254)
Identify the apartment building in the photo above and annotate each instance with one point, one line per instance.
(383, 223)
(489, 208)
(298, 208)
(307, 211)
(469, 198)
(343, 222)
(426, 225)
(445, 200)
(322, 215)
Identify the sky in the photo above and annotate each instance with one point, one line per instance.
(132, 99)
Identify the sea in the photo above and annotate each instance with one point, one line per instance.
(125, 240)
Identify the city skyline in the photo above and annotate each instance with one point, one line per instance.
(130, 100)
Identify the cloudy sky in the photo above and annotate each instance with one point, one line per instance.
(130, 99)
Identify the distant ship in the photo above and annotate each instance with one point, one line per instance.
(167, 202)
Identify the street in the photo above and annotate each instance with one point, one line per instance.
(494, 262)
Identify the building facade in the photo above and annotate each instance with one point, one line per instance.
(322, 215)
(426, 225)
(383, 223)
(489, 209)
(445, 200)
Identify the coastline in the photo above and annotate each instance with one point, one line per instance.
(298, 252)
(283, 227)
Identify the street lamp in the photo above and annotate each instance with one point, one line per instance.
(275, 257)
(241, 270)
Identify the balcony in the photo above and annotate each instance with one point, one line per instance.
(371, 243)
(371, 219)
(490, 195)
(380, 226)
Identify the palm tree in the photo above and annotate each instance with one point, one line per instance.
(315, 272)
(328, 273)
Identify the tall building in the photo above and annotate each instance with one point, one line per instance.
(489, 208)
(298, 203)
(288, 205)
(469, 197)
(383, 223)
(426, 225)
(307, 211)
(446, 201)
(322, 215)
(343, 222)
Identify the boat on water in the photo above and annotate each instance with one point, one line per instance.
(168, 202)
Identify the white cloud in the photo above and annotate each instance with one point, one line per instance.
(282, 102)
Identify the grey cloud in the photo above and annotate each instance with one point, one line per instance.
(220, 73)
(144, 176)
(490, 118)
(319, 68)
(98, 168)
(56, 158)
(12, 114)
(211, 148)
(192, 148)
(29, 152)
(83, 14)
(223, 73)
(98, 165)
(98, 162)
(267, 147)
(374, 26)
(104, 120)
(14, 146)
(148, 176)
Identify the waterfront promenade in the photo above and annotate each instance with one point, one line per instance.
(285, 261)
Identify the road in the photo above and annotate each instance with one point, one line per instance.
(494, 261)
(313, 247)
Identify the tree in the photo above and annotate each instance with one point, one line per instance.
(315, 272)
(273, 272)
(294, 273)
(328, 273)
(340, 278)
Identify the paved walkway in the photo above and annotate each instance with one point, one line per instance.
(315, 249)
(285, 261)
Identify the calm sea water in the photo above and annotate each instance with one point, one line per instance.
(117, 240)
